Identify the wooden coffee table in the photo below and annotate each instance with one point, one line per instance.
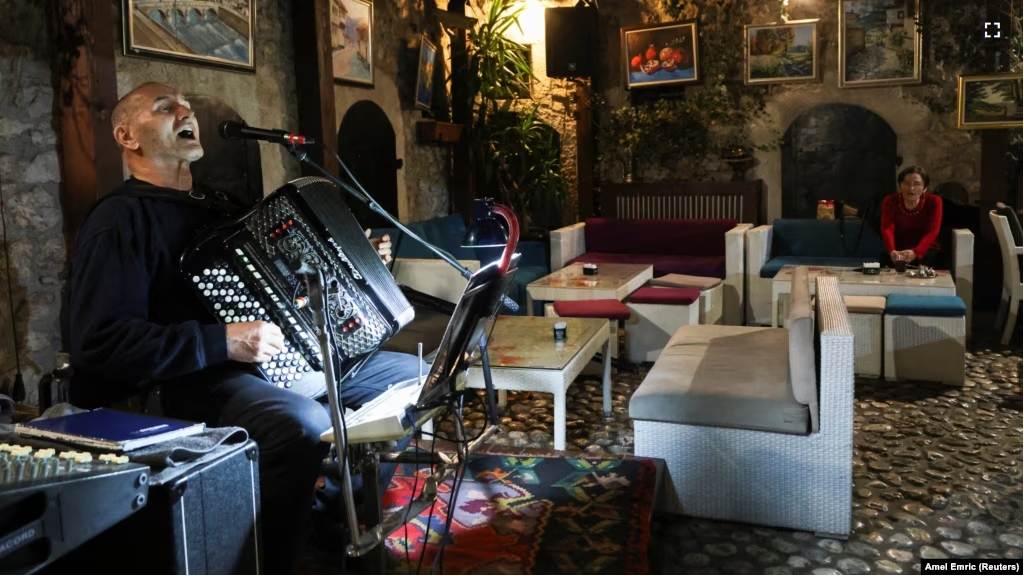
(524, 356)
(613, 281)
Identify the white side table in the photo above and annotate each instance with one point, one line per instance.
(524, 357)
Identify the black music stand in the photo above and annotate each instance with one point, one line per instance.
(468, 330)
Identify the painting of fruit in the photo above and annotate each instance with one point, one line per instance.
(777, 53)
(659, 55)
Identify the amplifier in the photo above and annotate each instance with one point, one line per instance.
(201, 519)
(51, 502)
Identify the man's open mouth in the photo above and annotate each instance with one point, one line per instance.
(187, 133)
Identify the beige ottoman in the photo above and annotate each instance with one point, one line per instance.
(655, 315)
(710, 309)
(865, 314)
(925, 338)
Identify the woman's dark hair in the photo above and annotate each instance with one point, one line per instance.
(913, 170)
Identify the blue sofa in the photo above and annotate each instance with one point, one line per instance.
(447, 233)
(839, 243)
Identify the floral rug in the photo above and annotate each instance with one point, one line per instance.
(525, 515)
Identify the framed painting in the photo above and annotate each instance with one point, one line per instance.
(216, 33)
(425, 74)
(989, 102)
(661, 54)
(779, 53)
(352, 41)
(879, 43)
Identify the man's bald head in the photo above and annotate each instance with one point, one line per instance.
(154, 124)
(127, 106)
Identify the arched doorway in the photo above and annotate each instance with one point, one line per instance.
(837, 152)
(366, 143)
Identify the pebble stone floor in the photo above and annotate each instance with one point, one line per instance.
(936, 474)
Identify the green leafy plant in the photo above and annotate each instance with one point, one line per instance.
(515, 156)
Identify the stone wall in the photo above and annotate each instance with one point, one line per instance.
(29, 182)
(923, 137)
(423, 185)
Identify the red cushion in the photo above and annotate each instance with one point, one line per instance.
(677, 296)
(662, 236)
(611, 309)
(708, 266)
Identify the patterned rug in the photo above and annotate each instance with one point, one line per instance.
(520, 515)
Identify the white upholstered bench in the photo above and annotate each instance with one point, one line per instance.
(752, 426)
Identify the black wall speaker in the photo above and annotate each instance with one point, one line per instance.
(570, 36)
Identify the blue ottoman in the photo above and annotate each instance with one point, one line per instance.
(925, 338)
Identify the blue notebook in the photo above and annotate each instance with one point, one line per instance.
(109, 429)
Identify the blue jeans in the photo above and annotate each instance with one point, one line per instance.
(287, 428)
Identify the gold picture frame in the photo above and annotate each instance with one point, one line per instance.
(781, 53)
(989, 102)
(879, 45)
(352, 41)
(180, 33)
(425, 74)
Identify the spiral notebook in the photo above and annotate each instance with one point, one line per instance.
(109, 429)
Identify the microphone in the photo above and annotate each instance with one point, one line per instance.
(237, 130)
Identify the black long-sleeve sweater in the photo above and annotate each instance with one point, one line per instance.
(132, 317)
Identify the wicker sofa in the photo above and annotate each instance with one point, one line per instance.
(843, 243)
(707, 248)
(768, 440)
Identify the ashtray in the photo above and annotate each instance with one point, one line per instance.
(923, 272)
(589, 269)
(871, 268)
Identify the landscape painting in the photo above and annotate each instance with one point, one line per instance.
(990, 102)
(879, 43)
(778, 53)
(660, 55)
(213, 32)
(352, 40)
(425, 75)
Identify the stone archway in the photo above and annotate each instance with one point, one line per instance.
(837, 152)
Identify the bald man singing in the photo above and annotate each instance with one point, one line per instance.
(133, 320)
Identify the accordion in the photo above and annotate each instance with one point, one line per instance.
(243, 271)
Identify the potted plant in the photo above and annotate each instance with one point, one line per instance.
(514, 154)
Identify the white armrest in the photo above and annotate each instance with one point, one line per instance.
(758, 294)
(733, 304)
(963, 269)
(433, 276)
(567, 243)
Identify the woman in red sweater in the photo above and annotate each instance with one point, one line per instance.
(911, 219)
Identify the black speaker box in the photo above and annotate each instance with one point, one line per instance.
(570, 36)
(200, 519)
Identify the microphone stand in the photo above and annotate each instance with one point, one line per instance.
(363, 542)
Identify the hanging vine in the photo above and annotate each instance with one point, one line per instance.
(725, 98)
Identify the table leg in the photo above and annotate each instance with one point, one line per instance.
(560, 419)
(607, 380)
(529, 304)
(775, 309)
(502, 399)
